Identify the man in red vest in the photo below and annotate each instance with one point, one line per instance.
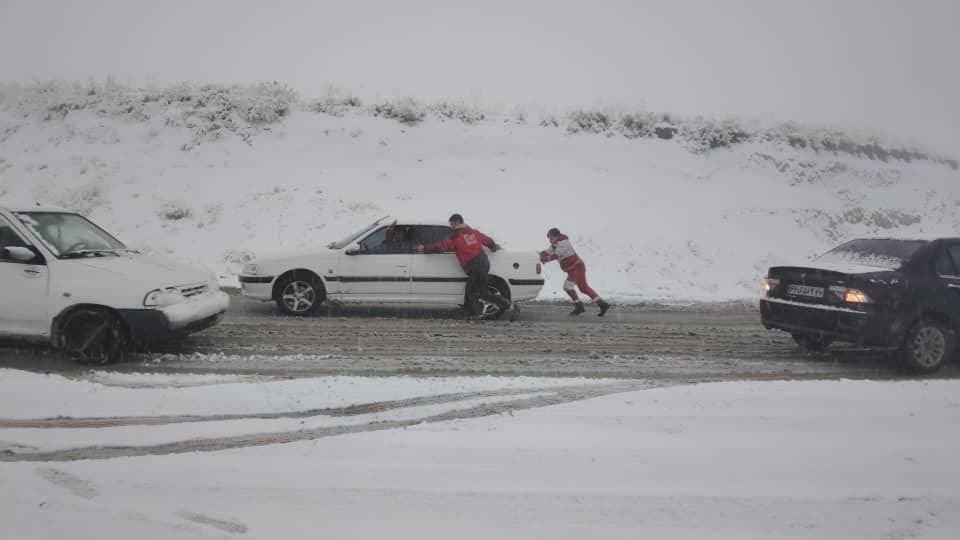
(468, 245)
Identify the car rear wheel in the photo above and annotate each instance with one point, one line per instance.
(93, 336)
(299, 294)
(491, 311)
(927, 347)
(812, 343)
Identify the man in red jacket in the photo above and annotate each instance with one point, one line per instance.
(468, 245)
(562, 250)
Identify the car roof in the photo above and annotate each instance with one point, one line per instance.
(15, 209)
(416, 221)
(421, 222)
(927, 239)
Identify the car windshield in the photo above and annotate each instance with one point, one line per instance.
(70, 235)
(878, 253)
(353, 237)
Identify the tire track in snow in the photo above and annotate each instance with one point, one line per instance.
(65, 422)
(219, 524)
(552, 397)
(75, 485)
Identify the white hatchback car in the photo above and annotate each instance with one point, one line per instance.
(371, 266)
(67, 281)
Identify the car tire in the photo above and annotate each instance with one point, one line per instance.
(927, 347)
(299, 294)
(812, 343)
(93, 336)
(492, 312)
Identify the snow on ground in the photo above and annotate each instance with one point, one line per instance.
(655, 219)
(30, 395)
(817, 459)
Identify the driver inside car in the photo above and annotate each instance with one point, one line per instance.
(397, 239)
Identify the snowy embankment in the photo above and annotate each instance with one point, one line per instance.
(817, 459)
(661, 208)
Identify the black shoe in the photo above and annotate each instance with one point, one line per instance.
(577, 309)
(604, 306)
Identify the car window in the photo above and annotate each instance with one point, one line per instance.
(951, 258)
(944, 263)
(392, 239)
(428, 234)
(880, 253)
(9, 237)
(374, 239)
(65, 233)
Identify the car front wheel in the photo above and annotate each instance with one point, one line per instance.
(93, 336)
(299, 295)
(928, 346)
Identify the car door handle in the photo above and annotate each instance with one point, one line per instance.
(402, 266)
(953, 286)
(31, 271)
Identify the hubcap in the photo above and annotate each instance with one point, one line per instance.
(490, 309)
(929, 346)
(299, 296)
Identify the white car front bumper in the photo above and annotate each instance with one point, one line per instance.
(196, 310)
(148, 325)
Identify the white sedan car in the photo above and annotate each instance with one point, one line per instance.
(378, 266)
(66, 281)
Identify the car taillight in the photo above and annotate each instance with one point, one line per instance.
(539, 268)
(853, 296)
(769, 284)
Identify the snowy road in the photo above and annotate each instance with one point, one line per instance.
(210, 456)
(695, 343)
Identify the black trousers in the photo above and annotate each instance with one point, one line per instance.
(478, 280)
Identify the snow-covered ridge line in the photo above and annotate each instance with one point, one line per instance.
(213, 110)
(217, 176)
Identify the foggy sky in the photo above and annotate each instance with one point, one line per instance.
(884, 64)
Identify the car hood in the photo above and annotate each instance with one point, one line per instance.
(284, 254)
(279, 260)
(155, 271)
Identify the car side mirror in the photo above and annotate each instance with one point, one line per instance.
(17, 253)
(355, 249)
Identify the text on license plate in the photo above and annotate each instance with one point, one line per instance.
(805, 290)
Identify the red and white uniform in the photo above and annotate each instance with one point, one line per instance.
(467, 243)
(562, 251)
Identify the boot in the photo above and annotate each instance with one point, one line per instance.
(577, 309)
(604, 306)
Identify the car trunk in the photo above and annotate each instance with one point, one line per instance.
(813, 285)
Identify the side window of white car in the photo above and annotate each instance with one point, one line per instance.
(391, 240)
(9, 238)
(373, 241)
(428, 234)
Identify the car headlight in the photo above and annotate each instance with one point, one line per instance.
(251, 269)
(163, 297)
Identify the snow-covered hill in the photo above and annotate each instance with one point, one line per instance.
(661, 208)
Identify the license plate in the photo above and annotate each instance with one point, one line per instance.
(805, 290)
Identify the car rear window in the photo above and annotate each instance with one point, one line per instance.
(878, 253)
